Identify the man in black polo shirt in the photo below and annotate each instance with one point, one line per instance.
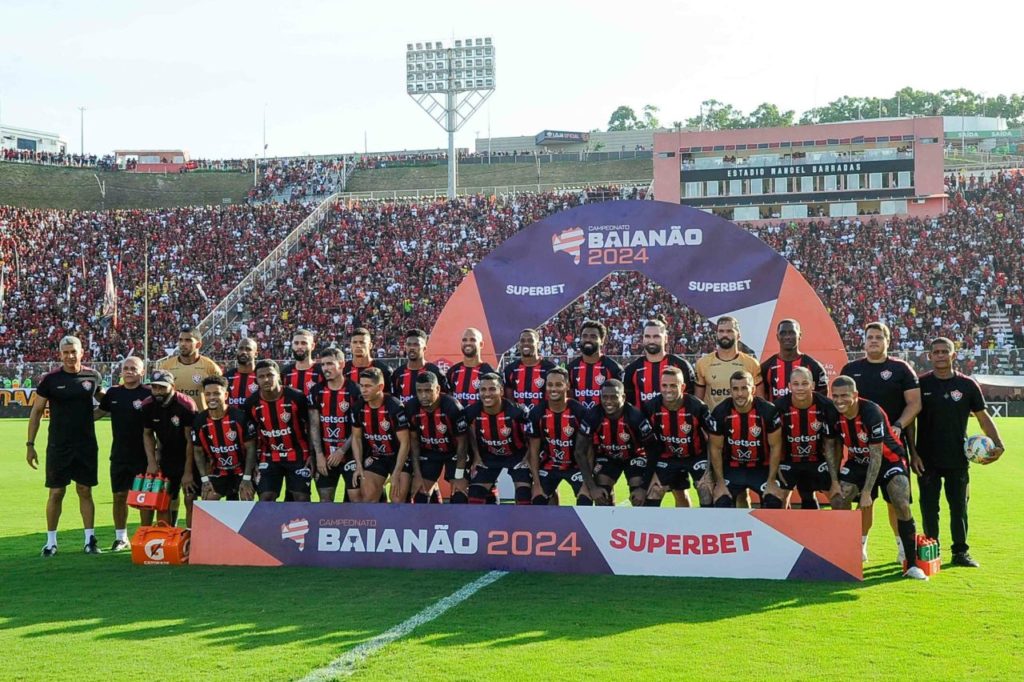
(71, 448)
(169, 415)
(948, 399)
(891, 384)
(127, 454)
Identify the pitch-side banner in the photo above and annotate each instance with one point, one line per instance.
(708, 263)
(722, 543)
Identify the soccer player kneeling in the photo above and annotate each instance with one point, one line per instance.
(218, 436)
(747, 433)
(876, 458)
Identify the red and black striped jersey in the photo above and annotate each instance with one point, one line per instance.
(524, 384)
(643, 377)
(464, 382)
(682, 433)
(869, 427)
(223, 440)
(334, 408)
(745, 434)
(438, 429)
(500, 435)
(380, 426)
(403, 382)
(624, 437)
(302, 380)
(241, 385)
(557, 432)
(281, 426)
(804, 430)
(586, 379)
(352, 373)
(775, 374)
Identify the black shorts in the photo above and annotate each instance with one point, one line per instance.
(382, 466)
(63, 467)
(122, 475)
(740, 479)
(227, 485)
(855, 473)
(432, 464)
(675, 474)
(550, 478)
(635, 468)
(295, 475)
(486, 473)
(805, 476)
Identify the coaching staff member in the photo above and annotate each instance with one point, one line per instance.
(71, 449)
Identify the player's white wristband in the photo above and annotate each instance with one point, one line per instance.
(246, 477)
(204, 479)
(460, 474)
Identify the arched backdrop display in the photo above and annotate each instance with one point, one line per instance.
(709, 264)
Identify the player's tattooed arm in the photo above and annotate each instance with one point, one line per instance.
(834, 459)
(874, 466)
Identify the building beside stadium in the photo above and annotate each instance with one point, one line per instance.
(568, 142)
(26, 139)
(872, 167)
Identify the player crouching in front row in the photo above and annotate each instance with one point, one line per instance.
(875, 458)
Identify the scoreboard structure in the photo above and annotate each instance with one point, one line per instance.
(877, 167)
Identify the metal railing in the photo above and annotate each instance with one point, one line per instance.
(497, 190)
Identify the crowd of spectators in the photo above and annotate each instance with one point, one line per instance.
(297, 179)
(58, 159)
(54, 268)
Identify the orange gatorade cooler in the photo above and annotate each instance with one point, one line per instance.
(160, 544)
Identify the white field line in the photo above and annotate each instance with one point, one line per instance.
(347, 663)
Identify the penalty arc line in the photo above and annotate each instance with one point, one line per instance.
(347, 663)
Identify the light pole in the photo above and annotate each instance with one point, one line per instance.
(81, 132)
(450, 84)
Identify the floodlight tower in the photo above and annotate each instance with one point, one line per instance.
(450, 84)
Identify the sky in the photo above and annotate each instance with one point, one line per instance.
(329, 77)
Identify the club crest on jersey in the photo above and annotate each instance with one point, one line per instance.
(253, 388)
(286, 416)
(231, 435)
(476, 383)
(815, 426)
(885, 374)
(956, 395)
(539, 382)
(175, 420)
(624, 436)
(385, 425)
(755, 431)
(310, 384)
(687, 427)
(505, 432)
(442, 428)
(863, 437)
(137, 404)
(87, 385)
(568, 431)
(599, 379)
(343, 406)
(197, 378)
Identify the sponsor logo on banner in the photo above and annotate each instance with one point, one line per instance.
(569, 242)
(296, 531)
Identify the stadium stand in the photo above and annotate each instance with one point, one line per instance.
(297, 179)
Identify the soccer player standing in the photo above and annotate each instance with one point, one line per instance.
(775, 371)
(242, 379)
(948, 399)
(403, 383)
(438, 440)
(464, 377)
(219, 437)
(891, 384)
(745, 446)
(280, 417)
(127, 454)
(497, 440)
(360, 344)
(72, 452)
(302, 374)
(588, 372)
(524, 376)
(876, 457)
(331, 409)
(553, 428)
(810, 454)
(381, 430)
(680, 423)
(714, 370)
(642, 377)
(189, 367)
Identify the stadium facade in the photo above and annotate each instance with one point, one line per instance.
(877, 167)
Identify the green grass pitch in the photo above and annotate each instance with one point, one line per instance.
(101, 618)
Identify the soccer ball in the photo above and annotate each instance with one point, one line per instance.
(978, 448)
